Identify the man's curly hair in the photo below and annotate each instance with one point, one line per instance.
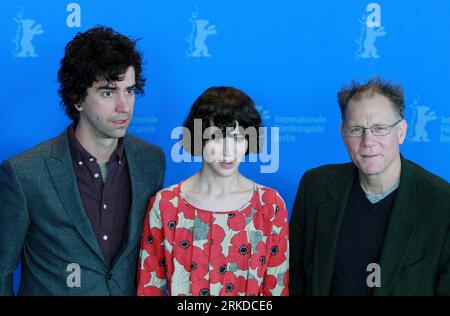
(100, 53)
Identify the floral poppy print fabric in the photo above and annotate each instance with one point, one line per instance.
(202, 252)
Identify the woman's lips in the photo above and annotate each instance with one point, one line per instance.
(227, 165)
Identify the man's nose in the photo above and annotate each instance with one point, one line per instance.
(122, 103)
(367, 138)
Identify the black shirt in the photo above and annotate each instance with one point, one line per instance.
(107, 204)
(360, 241)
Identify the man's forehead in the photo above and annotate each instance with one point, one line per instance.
(367, 96)
(122, 79)
(103, 82)
(375, 103)
(377, 111)
(111, 84)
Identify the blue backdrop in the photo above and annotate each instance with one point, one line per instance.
(290, 56)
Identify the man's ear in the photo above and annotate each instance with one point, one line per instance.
(78, 107)
(402, 131)
(344, 138)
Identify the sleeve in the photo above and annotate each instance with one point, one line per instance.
(14, 223)
(276, 279)
(297, 246)
(152, 270)
(443, 278)
(163, 171)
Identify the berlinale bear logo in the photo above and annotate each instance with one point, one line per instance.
(26, 31)
(372, 29)
(197, 39)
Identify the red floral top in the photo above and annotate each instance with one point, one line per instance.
(203, 252)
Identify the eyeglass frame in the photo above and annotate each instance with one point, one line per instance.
(371, 127)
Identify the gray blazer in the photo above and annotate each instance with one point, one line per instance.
(43, 221)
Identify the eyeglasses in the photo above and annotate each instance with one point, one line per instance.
(377, 130)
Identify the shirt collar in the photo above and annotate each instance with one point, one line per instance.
(79, 153)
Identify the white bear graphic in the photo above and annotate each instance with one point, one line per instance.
(202, 32)
(423, 117)
(28, 32)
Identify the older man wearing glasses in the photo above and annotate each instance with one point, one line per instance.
(378, 225)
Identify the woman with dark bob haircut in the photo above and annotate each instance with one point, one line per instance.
(216, 233)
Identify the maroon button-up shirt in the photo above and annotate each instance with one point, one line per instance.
(107, 204)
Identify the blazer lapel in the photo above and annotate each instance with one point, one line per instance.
(329, 218)
(138, 195)
(60, 168)
(398, 231)
(139, 199)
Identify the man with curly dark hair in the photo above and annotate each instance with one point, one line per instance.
(72, 207)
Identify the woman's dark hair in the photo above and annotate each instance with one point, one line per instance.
(100, 53)
(221, 107)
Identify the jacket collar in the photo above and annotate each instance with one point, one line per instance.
(62, 173)
(330, 214)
